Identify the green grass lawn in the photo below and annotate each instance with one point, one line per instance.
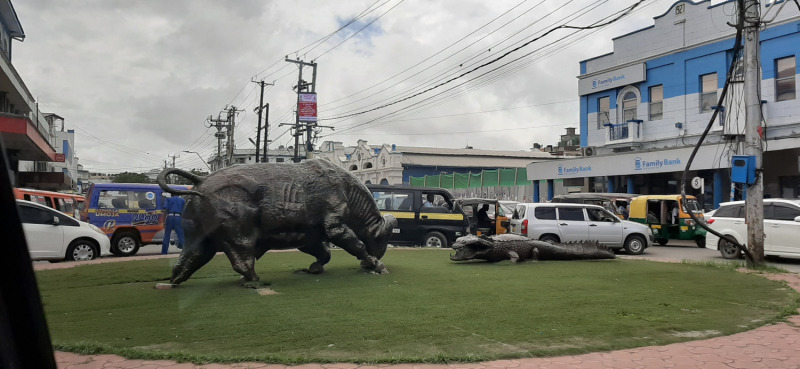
(428, 309)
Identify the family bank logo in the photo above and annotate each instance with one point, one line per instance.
(640, 164)
(564, 171)
(600, 83)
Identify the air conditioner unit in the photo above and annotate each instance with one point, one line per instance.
(589, 151)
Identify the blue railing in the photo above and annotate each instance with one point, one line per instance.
(623, 131)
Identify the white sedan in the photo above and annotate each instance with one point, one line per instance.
(52, 235)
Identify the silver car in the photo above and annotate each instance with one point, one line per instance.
(560, 222)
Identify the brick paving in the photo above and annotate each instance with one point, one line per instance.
(772, 346)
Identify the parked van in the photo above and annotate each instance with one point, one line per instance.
(610, 201)
(435, 224)
(66, 203)
(556, 222)
(131, 215)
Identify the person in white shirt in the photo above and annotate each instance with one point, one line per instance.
(429, 202)
(675, 214)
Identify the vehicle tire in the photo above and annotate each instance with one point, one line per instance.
(662, 241)
(125, 244)
(701, 242)
(549, 239)
(434, 239)
(728, 250)
(634, 245)
(82, 250)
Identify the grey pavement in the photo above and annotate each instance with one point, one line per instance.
(687, 250)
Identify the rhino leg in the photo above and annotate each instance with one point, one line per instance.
(341, 235)
(323, 255)
(194, 255)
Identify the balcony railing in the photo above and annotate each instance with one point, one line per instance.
(627, 132)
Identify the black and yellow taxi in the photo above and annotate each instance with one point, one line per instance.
(425, 216)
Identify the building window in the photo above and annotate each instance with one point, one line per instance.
(603, 111)
(708, 93)
(629, 104)
(656, 102)
(784, 83)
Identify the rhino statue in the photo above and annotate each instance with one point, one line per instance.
(519, 248)
(247, 210)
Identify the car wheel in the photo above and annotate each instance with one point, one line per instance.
(635, 245)
(728, 250)
(701, 242)
(549, 239)
(125, 244)
(662, 241)
(82, 250)
(434, 239)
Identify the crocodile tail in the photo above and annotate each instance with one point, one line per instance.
(594, 248)
(162, 181)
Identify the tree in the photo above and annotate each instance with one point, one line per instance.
(183, 181)
(129, 177)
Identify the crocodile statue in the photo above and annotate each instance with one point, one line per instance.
(518, 248)
(247, 210)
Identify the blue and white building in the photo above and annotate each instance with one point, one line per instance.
(645, 104)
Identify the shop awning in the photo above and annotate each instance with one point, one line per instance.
(640, 162)
(24, 139)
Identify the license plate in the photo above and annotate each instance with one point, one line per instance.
(395, 230)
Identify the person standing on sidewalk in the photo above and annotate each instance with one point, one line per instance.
(173, 208)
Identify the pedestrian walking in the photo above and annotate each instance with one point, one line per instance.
(173, 208)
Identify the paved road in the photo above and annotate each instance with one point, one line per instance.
(680, 250)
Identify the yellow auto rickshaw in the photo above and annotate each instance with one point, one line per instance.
(667, 216)
(498, 220)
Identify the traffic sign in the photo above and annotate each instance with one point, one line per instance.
(697, 183)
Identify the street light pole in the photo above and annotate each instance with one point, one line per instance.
(199, 156)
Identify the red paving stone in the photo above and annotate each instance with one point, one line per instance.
(773, 346)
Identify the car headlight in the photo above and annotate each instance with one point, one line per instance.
(96, 229)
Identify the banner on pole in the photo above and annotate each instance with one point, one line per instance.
(307, 107)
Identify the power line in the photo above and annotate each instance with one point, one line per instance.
(357, 32)
(490, 62)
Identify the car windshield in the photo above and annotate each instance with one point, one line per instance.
(693, 206)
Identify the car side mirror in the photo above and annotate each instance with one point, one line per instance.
(797, 219)
(55, 221)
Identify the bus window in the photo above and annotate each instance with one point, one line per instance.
(48, 202)
(26, 197)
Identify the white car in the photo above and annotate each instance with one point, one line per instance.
(562, 222)
(781, 228)
(53, 235)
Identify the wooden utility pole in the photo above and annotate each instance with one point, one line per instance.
(754, 203)
(259, 109)
(302, 86)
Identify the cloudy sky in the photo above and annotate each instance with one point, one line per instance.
(137, 79)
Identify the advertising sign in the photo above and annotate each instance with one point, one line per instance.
(61, 158)
(307, 107)
(611, 79)
(662, 161)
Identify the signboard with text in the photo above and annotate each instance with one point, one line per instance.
(61, 158)
(307, 107)
(611, 79)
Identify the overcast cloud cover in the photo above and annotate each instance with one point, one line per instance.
(144, 75)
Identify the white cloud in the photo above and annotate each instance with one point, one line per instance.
(146, 74)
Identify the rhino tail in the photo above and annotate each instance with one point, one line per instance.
(195, 179)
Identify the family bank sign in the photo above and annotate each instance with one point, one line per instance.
(635, 163)
(611, 79)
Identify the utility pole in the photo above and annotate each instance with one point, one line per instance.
(231, 129)
(754, 204)
(301, 86)
(259, 109)
(218, 124)
(173, 165)
(266, 132)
